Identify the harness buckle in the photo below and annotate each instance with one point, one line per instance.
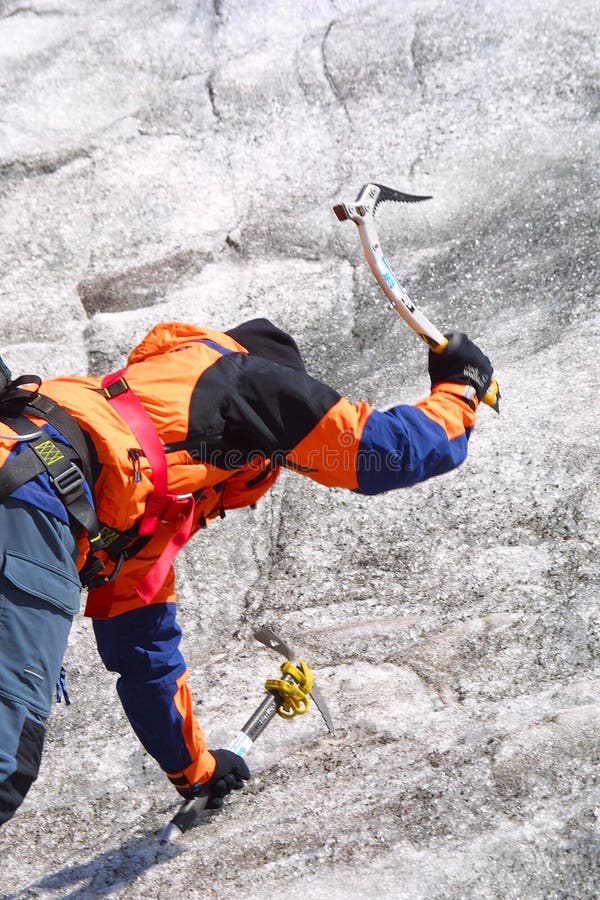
(68, 481)
(177, 507)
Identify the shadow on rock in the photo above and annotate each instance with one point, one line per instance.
(115, 868)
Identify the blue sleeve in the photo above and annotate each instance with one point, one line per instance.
(143, 647)
(401, 447)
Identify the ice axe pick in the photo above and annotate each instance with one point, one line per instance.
(362, 213)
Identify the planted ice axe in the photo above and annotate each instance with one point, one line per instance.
(286, 696)
(362, 213)
(268, 637)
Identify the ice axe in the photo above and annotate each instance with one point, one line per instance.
(362, 213)
(271, 640)
(280, 697)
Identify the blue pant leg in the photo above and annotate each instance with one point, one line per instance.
(39, 594)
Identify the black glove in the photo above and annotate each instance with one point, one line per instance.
(230, 773)
(463, 362)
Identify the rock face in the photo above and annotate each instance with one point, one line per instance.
(179, 160)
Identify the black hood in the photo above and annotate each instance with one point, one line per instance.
(261, 337)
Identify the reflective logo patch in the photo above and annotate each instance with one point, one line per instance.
(49, 452)
(108, 535)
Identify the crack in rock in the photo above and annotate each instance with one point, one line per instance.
(31, 10)
(210, 90)
(41, 165)
(335, 90)
(416, 57)
(265, 567)
(139, 286)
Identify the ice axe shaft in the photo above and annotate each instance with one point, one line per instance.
(190, 811)
(362, 213)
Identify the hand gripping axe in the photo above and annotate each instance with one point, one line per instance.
(190, 812)
(362, 213)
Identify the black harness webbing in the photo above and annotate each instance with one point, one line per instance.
(68, 466)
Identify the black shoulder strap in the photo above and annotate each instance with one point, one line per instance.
(18, 402)
(60, 462)
(63, 421)
(12, 391)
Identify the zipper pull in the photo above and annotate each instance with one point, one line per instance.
(134, 455)
(61, 687)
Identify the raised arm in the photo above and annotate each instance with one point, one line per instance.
(304, 425)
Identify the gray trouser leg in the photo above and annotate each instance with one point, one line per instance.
(39, 594)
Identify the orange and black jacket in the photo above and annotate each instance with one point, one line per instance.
(230, 409)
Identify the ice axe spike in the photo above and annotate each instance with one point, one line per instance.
(190, 811)
(362, 213)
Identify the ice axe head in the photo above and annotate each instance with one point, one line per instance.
(369, 198)
(362, 213)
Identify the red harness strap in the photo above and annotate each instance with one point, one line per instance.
(160, 506)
